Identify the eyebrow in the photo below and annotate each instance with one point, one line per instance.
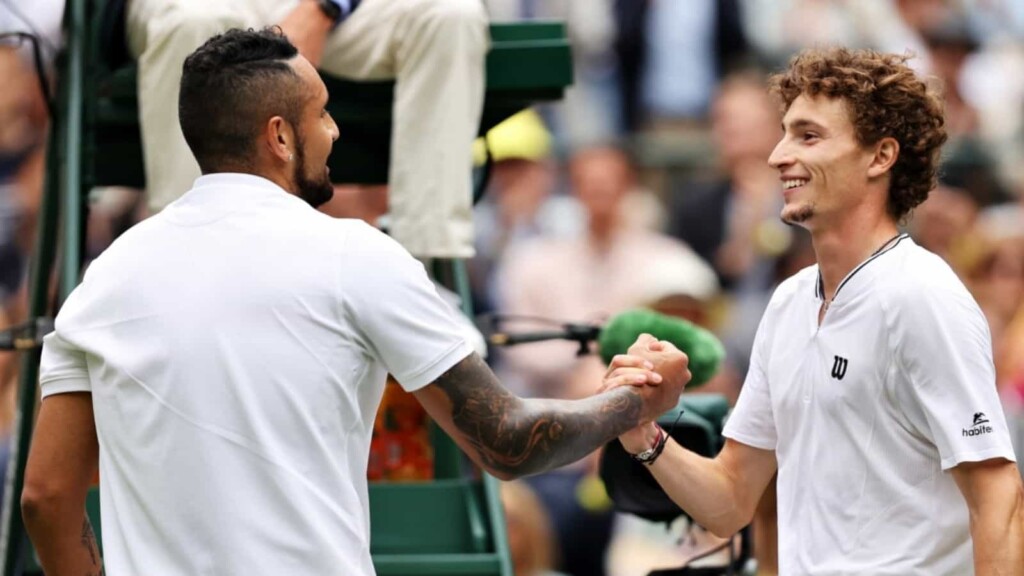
(802, 124)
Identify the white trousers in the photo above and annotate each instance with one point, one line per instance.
(434, 49)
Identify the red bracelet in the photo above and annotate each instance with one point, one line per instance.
(650, 455)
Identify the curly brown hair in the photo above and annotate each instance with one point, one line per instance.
(884, 99)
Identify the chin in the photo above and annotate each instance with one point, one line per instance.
(316, 194)
(797, 214)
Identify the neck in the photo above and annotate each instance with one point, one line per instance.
(602, 230)
(842, 247)
(279, 177)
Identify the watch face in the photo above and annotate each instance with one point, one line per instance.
(332, 10)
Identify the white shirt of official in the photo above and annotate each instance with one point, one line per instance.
(868, 412)
(236, 347)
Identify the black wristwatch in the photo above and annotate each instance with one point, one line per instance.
(330, 9)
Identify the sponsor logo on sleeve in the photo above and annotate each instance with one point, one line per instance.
(979, 427)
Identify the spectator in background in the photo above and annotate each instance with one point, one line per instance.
(530, 539)
(996, 278)
(589, 111)
(950, 43)
(23, 124)
(671, 56)
(435, 50)
(521, 202)
(945, 224)
(779, 29)
(732, 222)
(590, 276)
(971, 156)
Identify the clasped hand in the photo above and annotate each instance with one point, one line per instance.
(659, 371)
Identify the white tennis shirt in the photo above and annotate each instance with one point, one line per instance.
(236, 347)
(868, 411)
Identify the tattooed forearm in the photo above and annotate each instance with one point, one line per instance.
(88, 540)
(516, 436)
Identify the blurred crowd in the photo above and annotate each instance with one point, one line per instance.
(648, 185)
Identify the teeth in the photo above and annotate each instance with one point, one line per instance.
(787, 184)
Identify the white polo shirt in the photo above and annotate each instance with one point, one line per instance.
(868, 411)
(236, 347)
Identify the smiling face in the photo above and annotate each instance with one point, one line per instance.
(823, 168)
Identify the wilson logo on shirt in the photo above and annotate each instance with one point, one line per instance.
(839, 367)
(978, 427)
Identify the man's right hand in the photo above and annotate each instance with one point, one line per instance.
(673, 366)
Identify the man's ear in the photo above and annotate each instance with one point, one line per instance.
(886, 152)
(279, 138)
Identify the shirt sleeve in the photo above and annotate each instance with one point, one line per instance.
(752, 421)
(62, 368)
(398, 312)
(944, 349)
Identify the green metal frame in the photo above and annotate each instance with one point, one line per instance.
(528, 63)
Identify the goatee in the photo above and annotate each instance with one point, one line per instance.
(801, 214)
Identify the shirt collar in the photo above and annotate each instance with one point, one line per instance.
(213, 196)
(858, 277)
(233, 180)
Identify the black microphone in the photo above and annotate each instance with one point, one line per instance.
(704, 349)
(584, 334)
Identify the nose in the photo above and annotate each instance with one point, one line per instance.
(335, 133)
(780, 156)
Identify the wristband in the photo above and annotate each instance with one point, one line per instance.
(337, 10)
(651, 454)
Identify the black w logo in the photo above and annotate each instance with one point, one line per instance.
(839, 367)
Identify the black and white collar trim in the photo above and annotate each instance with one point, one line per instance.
(819, 286)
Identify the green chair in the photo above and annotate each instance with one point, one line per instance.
(453, 525)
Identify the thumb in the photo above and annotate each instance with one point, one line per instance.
(645, 338)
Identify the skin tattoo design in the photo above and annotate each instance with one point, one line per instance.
(523, 437)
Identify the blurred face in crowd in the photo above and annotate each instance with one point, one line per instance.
(823, 168)
(522, 185)
(16, 130)
(315, 135)
(744, 123)
(998, 280)
(944, 218)
(601, 177)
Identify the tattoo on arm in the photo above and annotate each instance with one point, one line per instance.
(88, 540)
(525, 436)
